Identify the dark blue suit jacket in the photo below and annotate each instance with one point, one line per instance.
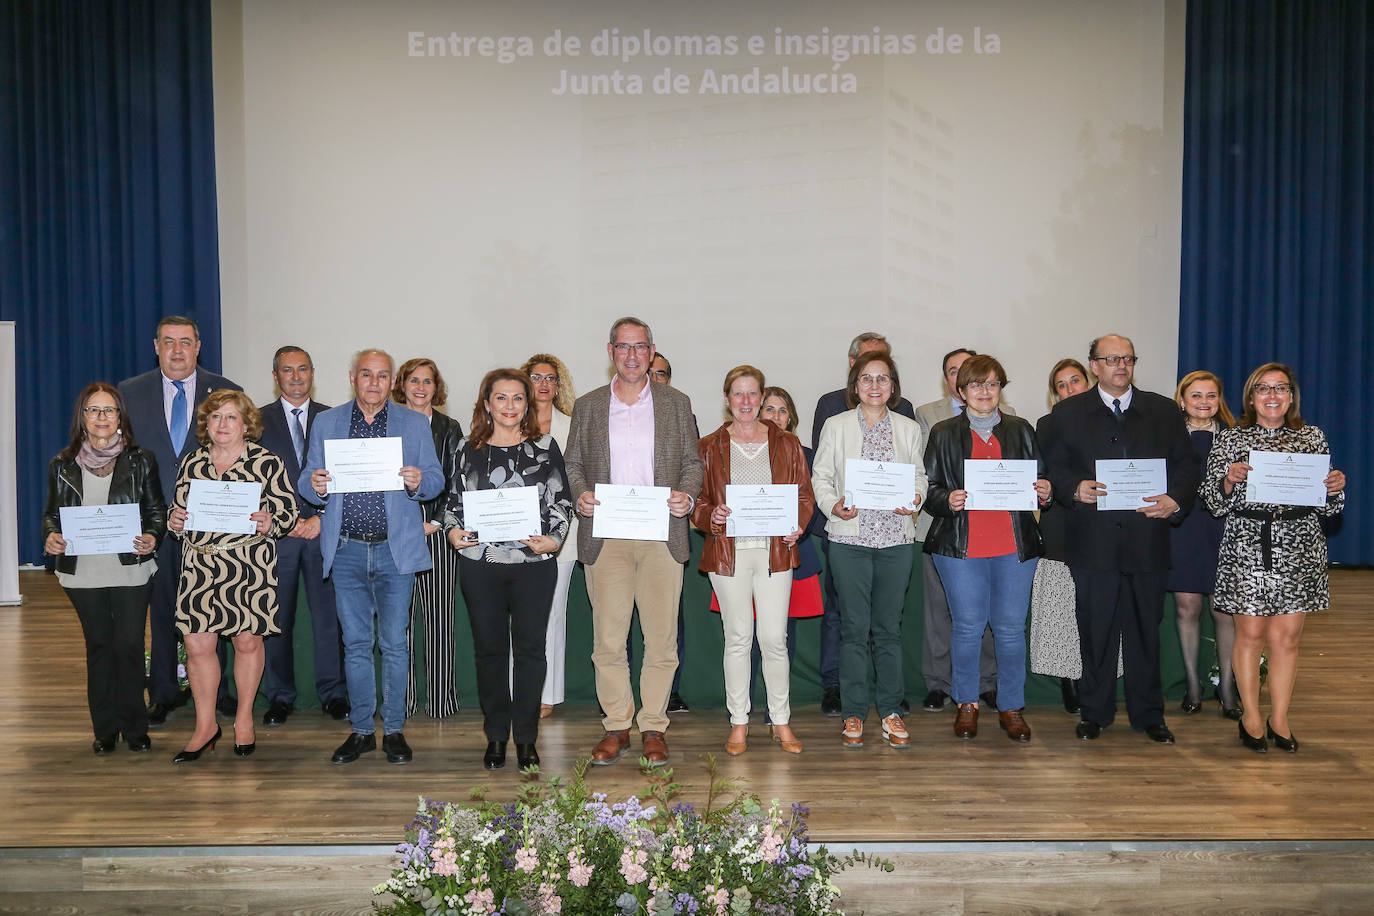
(143, 401)
(276, 438)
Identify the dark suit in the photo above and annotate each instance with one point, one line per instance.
(147, 418)
(1119, 560)
(297, 559)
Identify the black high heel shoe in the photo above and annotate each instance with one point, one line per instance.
(495, 757)
(188, 756)
(244, 750)
(1289, 744)
(1258, 745)
(526, 755)
(1227, 712)
(1190, 706)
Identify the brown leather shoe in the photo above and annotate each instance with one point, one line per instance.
(735, 748)
(1013, 724)
(894, 730)
(609, 748)
(966, 721)
(791, 745)
(655, 748)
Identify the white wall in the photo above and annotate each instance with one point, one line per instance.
(455, 207)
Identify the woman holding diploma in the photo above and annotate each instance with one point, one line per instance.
(1272, 566)
(228, 583)
(870, 548)
(508, 581)
(751, 575)
(101, 466)
(985, 557)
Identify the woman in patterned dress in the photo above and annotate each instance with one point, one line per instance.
(752, 576)
(1272, 567)
(228, 584)
(508, 585)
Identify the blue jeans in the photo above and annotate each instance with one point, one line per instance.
(983, 592)
(367, 585)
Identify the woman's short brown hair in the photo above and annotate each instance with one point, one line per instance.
(479, 434)
(773, 391)
(1292, 419)
(252, 417)
(398, 387)
(979, 368)
(851, 391)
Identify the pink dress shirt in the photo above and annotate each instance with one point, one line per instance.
(631, 435)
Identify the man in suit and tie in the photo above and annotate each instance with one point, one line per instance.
(373, 544)
(162, 414)
(1119, 559)
(831, 404)
(639, 433)
(286, 424)
(937, 623)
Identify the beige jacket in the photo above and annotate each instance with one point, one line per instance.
(842, 438)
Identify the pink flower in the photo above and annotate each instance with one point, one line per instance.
(444, 857)
(484, 899)
(549, 902)
(526, 860)
(682, 857)
(719, 898)
(632, 865)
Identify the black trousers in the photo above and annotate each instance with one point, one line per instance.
(297, 559)
(112, 621)
(162, 624)
(508, 606)
(1125, 609)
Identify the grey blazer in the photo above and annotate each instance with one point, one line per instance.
(676, 462)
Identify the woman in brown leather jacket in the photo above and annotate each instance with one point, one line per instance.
(752, 576)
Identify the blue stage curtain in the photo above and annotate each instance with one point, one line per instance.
(1278, 216)
(107, 203)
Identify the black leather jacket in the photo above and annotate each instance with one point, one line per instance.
(134, 480)
(951, 441)
(447, 433)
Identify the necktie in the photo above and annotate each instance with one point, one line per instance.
(1120, 422)
(178, 427)
(298, 435)
(1116, 409)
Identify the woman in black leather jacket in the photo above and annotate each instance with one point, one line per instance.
(986, 557)
(420, 387)
(100, 466)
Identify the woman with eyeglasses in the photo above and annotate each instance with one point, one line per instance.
(1272, 565)
(103, 466)
(871, 550)
(986, 557)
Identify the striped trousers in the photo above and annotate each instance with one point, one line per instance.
(432, 603)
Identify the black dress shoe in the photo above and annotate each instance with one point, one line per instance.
(526, 755)
(337, 708)
(935, 701)
(495, 757)
(397, 751)
(1190, 706)
(276, 714)
(830, 702)
(103, 746)
(1159, 734)
(157, 714)
(1068, 690)
(355, 746)
(188, 756)
(1088, 731)
(138, 743)
(988, 698)
(1256, 744)
(228, 707)
(1289, 744)
(677, 704)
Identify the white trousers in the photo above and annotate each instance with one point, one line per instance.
(753, 599)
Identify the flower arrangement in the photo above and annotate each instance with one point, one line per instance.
(561, 848)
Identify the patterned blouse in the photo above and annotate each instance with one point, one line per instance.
(878, 528)
(532, 463)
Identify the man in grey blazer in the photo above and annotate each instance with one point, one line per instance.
(937, 623)
(162, 414)
(640, 433)
(373, 544)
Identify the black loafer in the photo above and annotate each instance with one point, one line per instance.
(1289, 744)
(276, 714)
(830, 702)
(526, 755)
(1088, 731)
(354, 747)
(677, 704)
(495, 757)
(935, 701)
(157, 714)
(138, 743)
(103, 746)
(397, 751)
(1159, 734)
(337, 709)
(1253, 742)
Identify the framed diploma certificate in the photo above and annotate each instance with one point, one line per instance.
(879, 484)
(502, 515)
(1000, 483)
(631, 512)
(1129, 481)
(1287, 479)
(363, 465)
(761, 510)
(100, 529)
(223, 505)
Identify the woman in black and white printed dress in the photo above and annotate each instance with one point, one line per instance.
(1272, 564)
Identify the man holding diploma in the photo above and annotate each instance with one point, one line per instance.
(633, 432)
(373, 544)
(1119, 560)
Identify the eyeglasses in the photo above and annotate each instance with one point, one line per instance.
(659, 375)
(1115, 361)
(875, 380)
(639, 348)
(544, 378)
(1274, 389)
(100, 412)
(989, 385)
